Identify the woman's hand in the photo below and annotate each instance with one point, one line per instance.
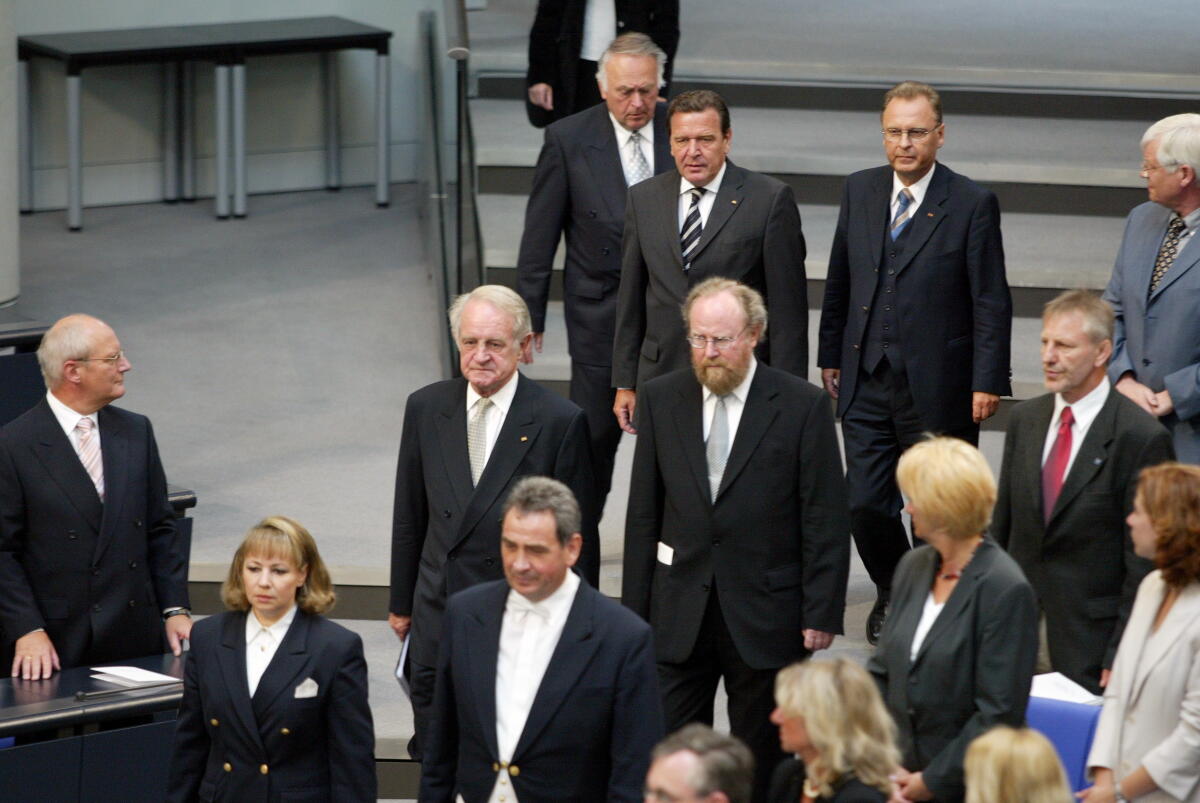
(912, 787)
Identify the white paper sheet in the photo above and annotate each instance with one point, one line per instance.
(1057, 686)
(132, 676)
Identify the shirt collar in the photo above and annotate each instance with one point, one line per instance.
(1191, 220)
(713, 186)
(1086, 408)
(917, 188)
(67, 418)
(551, 606)
(623, 133)
(501, 398)
(742, 390)
(277, 630)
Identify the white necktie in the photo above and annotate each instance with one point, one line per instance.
(716, 451)
(477, 439)
(640, 168)
(89, 453)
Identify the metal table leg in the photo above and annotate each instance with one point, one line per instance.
(187, 125)
(239, 140)
(170, 132)
(383, 109)
(74, 154)
(24, 138)
(221, 92)
(333, 161)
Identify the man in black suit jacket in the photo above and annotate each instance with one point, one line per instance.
(90, 559)
(567, 40)
(708, 218)
(465, 442)
(1065, 490)
(737, 535)
(916, 322)
(544, 685)
(579, 190)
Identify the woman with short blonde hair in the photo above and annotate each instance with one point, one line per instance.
(280, 536)
(1015, 764)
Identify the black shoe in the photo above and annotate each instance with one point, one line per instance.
(875, 619)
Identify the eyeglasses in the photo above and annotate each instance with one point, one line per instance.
(719, 343)
(1145, 168)
(914, 134)
(116, 358)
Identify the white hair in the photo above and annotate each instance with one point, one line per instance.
(1178, 139)
(631, 44)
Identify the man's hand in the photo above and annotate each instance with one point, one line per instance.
(35, 657)
(816, 639)
(399, 625)
(831, 378)
(983, 406)
(1163, 404)
(178, 628)
(912, 787)
(1105, 675)
(535, 344)
(1139, 394)
(542, 95)
(623, 409)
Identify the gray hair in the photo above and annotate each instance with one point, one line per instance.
(500, 297)
(631, 44)
(541, 495)
(70, 338)
(1098, 317)
(1178, 141)
(726, 765)
(750, 300)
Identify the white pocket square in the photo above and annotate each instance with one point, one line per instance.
(306, 689)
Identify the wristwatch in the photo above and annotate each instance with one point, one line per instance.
(1118, 795)
(169, 612)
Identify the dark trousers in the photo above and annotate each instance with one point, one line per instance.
(421, 680)
(591, 389)
(689, 689)
(879, 424)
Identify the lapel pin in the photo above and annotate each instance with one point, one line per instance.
(524, 438)
(929, 214)
(734, 202)
(1098, 461)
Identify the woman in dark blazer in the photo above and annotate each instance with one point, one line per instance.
(275, 695)
(956, 654)
(830, 716)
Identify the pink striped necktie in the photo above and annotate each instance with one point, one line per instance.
(89, 453)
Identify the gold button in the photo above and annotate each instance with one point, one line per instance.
(285, 731)
(214, 722)
(263, 769)
(495, 767)
(228, 767)
(502, 781)
(514, 770)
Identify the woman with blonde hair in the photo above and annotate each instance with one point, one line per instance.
(275, 695)
(956, 654)
(831, 717)
(1015, 764)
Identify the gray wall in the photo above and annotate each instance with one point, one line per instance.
(122, 106)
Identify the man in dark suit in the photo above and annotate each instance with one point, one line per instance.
(708, 218)
(90, 559)
(586, 164)
(465, 442)
(1154, 285)
(697, 763)
(567, 40)
(544, 686)
(1071, 463)
(737, 535)
(916, 322)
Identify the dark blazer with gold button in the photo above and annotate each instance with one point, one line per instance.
(274, 746)
(95, 575)
(594, 720)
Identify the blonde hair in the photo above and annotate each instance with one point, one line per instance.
(1014, 764)
(950, 483)
(281, 537)
(846, 722)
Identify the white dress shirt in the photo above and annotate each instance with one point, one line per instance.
(735, 403)
(529, 632)
(501, 401)
(647, 146)
(706, 200)
(929, 615)
(1191, 222)
(1085, 411)
(261, 644)
(599, 28)
(918, 189)
(68, 419)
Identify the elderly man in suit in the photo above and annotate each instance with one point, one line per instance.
(1154, 284)
(586, 165)
(697, 763)
(708, 218)
(545, 688)
(737, 538)
(1071, 462)
(569, 36)
(91, 563)
(465, 442)
(916, 322)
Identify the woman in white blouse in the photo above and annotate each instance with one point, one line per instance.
(957, 650)
(1147, 744)
(275, 695)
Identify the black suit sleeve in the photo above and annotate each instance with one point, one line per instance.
(991, 299)
(351, 730)
(664, 30)
(787, 285)
(543, 43)
(545, 217)
(192, 744)
(631, 302)
(439, 765)
(1001, 515)
(637, 721)
(836, 303)
(19, 613)
(410, 514)
(164, 544)
(643, 517)
(573, 467)
(825, 527)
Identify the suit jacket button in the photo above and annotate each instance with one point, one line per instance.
(453, 556)
(137, 522)
(132, 603)
(604, 251)
(285, 732)
(488, 561)
(214, 722)
(264, 769)
(716, 542)
(892, 272)
(1145, 361)
(514, 770)
(495, 767)
(133, 564)
(95, 571)
(95, 609)
(864, 308)
(72, 534)
(445, 514)
(228, 767)
(704, 587)
(591, 213)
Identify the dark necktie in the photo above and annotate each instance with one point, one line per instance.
(1055, 470)
(1167, 252)
(689, 237)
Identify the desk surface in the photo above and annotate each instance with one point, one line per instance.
(35, 705)
(222, 41)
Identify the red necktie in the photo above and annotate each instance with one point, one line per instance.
(1055, 470)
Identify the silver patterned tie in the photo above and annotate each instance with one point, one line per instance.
(904, 200)
(639, 166)
(477, 439)
(716, 450)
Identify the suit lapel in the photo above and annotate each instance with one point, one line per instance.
(908, 618)
(927, 217)
(688, 415)
(1157, 645)
(666, 213)
(286, 666)
(878, 209)
(729, 196)
(114, 453)
(1091, 456)
(602, 154)
(482, 650)
(964, 592)
(452, 437)
(231, 658)
(1029, 460)
(1185, 262)
(759, 413)
(58, 457)
(570, 660)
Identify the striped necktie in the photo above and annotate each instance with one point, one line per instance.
(89, 453)
(689, 238)
(904, 200)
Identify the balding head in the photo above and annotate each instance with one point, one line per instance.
(82, 363)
